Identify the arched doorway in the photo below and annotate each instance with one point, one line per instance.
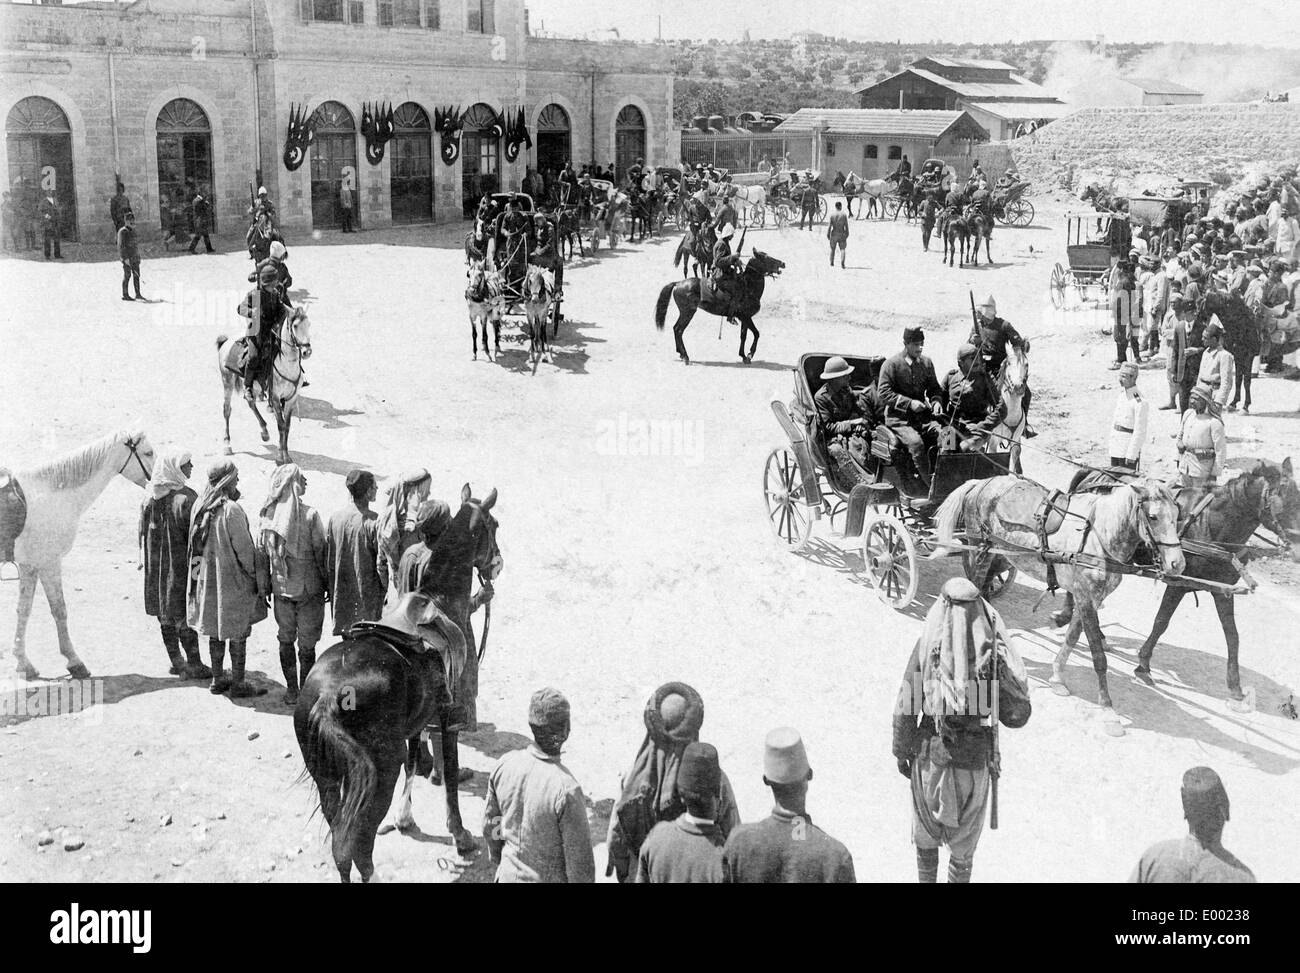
(184, 157)
(552, 139)
(39, 142)
(629, 139)
(412, 165)
(480, 158)
(333, 156)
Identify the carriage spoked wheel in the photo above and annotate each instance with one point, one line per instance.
(1057, 287)
(821, 208)
(992, 574)
(1018, 212)
(889, 554)
(891, 206)
(782, 215)
(788, 512)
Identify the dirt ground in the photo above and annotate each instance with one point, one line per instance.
(625, 565)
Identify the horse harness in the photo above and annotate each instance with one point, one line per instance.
(133, 450)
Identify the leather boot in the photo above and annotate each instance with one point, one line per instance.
(194, 667)
(239, 687)
(927, 865)
(306, 659)
(220, 681)
(289, 666)
(173, 646)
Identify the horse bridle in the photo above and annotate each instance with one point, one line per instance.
(133, 450)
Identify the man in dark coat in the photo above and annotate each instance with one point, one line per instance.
(929, 213)
(786, 847)
(202, 223)
(118, 207)
(1119, 236)
(51, 214)
(1199, 857)
(264, 308)
(843, 423)
(164, 538)
(128, 251)
(910, 391)
(806, 196)
(726, 265)
(689, 848)
(970, 399)
(358, 576)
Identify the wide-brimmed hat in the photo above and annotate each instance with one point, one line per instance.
(836, 367)
(784, 759)
(674, 713)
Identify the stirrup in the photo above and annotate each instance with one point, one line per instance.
(9, 571)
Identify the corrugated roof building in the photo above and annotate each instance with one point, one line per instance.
(873, 141)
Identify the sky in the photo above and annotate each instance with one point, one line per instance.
(1271, 22)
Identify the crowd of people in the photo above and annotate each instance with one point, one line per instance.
(28, 211)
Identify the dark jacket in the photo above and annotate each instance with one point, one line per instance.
(1119, 237)
(118, 207)
(902, 383)
(785, 848)
(202, 215)
(164, 536)
(974, 404)
(991, 338)
(50, 214)
(128, 245)
(836, 410)
(682, 852)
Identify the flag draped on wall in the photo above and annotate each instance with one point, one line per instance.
(299, 136)
(449, 122)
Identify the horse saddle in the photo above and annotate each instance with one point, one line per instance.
(1092, 479)
(13, 513)
(415, 626)
(1051, 514)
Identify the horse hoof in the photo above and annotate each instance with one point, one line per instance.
(1061, 619)
(386, 828)
(1144, 678)
(25, 670)
(266, 436)
(1112, 726)
(78, 671)
(1058, 687)
(1239, 704)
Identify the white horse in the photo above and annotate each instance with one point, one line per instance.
(748, 200)
(539, 293)
(483, 299)
(1010, 382)
(58, 493)
(874, 190)
(294, 335)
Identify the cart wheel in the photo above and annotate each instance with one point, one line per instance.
(760, 216)
(891, 205)
(1057, 287)
(889, 554)
(788, 512)
(1026, 212)
(782, 216)
(821, 208)
(993, 574)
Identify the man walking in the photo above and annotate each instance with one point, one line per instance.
(688, 849)
(929, 213)
(128, 251)
(164, 533)
(786, 847)
(358, 577)
(1128, 431)
(535, 819)
(294, 541)
(942, 741)
(202, 216)
(1200, 855)
(838, 233)
(908, 387)
(345, 205)
(51, 215)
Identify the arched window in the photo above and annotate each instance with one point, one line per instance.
(184, 139)
(553, 146)
(39, 142)
(629, 138)
(480, 157)
(333, 162)
(411, 155)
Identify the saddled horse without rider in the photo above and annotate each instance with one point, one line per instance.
(292, 346)
(694, 294)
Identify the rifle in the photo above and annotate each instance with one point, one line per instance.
(975, 319)
(252, 198)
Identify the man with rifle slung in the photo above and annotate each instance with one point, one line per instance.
(991, 334)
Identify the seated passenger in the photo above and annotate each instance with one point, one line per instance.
(843, 423)
(971, 400)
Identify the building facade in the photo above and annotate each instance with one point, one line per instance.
(1000, 100)
(1113, 91)
(179, 96)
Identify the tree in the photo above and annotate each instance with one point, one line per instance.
(855, 77)
(710, 68)
(739, 71)
(683, 65)
(770, 76)
(826, 74)
(892, 65)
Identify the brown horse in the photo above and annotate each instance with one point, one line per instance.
(956, 234)
(367, 699)
(691, 296)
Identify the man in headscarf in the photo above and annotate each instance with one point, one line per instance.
(1200, 855)
(650, 790)
(430, 522)
(226, 595)
(535, 819)
(164, 536)
(358, 575)
(397, 522)
(293, 538)
(962, 679)
(1202, 443)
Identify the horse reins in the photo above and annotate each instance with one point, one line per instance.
(132, 447)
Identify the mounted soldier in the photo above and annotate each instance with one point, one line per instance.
(264, 307)
(726, 212)
(275, 259)
(726, 265)
(970, 400)
(697, 212)
(546, 254)
(991, 334)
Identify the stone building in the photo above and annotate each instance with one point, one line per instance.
(873, 141)
(185, 95)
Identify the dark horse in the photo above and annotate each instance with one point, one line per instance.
(981, 228)
(697, 247)
(691, 296)
(955, 229)
(365, 702)
(1263, 495)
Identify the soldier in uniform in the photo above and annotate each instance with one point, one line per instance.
(970, 400)
(1128, 431)
(1202, 444)
(807, 196)
(275, 259)
(726, 265)
(513, 230)
(727, 212)
(264, 308)
(546, 254)
(991, 334)
(842, 421)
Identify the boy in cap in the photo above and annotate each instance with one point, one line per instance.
(1200, 856)
(535, 820)
(358, 576)
(786, 847)
(128, 251)
(689, 848)
(1128, 432)
(944, 744)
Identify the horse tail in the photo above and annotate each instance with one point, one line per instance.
(681, 249)
(331, 750)
(949, 517)
(661, 305)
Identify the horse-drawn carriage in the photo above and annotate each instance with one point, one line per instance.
(780, 183)
(892, 523)
(510, 253)
(1010, 208)
(1087, 258)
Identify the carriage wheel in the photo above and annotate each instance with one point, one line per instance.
(788, 512)
(1024, 213)
(821, 208)
(782, 216)
(993, 574)
(760, 215)
(889, 554)
(891, 205)
(1057, 287)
